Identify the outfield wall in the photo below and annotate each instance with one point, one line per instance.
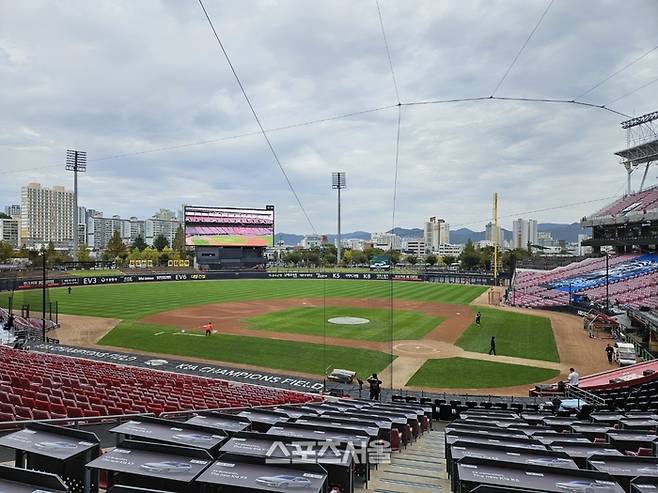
(447, 278)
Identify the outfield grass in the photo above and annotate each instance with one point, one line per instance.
(472, 374)
(134, 301)
(517, 334)
(270, 353)
(313, 321)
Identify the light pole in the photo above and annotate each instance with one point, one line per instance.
(76, 161)
(607, 284)
(44, 252)
(338, 183)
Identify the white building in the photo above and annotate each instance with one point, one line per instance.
(46, 215)
(437, 232)
(10, 232)
(580, 249)
(414, 247)
(166, 227)
(524, 232)
(353, 244)
(101, 229)
(448, 249)
(13, 211)
(311, 241)
(386, 241)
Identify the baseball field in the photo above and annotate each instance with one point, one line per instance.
(422, 334)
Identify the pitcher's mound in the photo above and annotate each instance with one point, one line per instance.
(348, 320)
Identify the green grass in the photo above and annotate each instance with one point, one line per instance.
(270, 353)
(313, 321)
(475, 374)
(517, 334)
(134, 301)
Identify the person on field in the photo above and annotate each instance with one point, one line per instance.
(478, 317)
(69, 289)
(609, 350)
(573, 377)
(375, 387)
(209, 328)
(492, 348)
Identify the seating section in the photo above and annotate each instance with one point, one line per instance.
(44, 386)
(640, 202)
(532, 288)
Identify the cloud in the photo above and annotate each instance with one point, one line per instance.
(121, 77)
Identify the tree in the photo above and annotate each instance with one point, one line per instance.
(359, 257)
(115, 246)
(6, 251)
(160, 242)
(4, 216)
(448, 259)
(293, 257)
(469, 257)
(179, 240)
(347, 256)
(431, 259)
(412, 259)
(83, 253)
(138, 243)
(395, 256)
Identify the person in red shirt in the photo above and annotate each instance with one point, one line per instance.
(209, 328)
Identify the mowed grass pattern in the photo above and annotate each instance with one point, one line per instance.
(270, 353)
(313, 321)
(517, 334)
(463, 373)
(133, 301)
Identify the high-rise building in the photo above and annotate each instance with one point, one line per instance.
(13, 211)
(101, 229)
(166, 227)
(489, 233)
(437, 232)
(311, 241)
(10, 232)
(524, 232)
(414, 246)
(46, 215)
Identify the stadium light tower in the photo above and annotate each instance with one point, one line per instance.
(76, 161)
(338, 183)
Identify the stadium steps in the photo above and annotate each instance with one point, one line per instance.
(419, 468)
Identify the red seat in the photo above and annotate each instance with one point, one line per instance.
(90, 413)
(101, 409)
(15, 400)
(114, 411)
(6, 417)
(74, 412)
(42, 406)
(6, 408)
(24, 413)
(39, 414)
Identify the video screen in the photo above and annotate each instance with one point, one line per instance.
(226, 226)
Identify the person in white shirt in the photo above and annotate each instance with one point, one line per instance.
(573, 377)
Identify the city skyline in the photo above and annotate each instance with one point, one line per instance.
(161, 85)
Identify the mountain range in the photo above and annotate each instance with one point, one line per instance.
(566, 232)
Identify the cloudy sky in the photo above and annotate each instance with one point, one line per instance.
(118, 78)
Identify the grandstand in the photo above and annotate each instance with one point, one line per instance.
(628, 223)
(406, 445)
(629, 280)
(44, 386)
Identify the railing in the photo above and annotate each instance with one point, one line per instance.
(588, 397)
(640, 350)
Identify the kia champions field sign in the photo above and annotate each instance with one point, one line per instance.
(227, 226)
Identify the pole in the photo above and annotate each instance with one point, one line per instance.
(338, 246)
(495, 238)
(607, 284)
(43, 297)
(76, 240)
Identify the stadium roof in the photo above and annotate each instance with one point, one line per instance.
(640, 154)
